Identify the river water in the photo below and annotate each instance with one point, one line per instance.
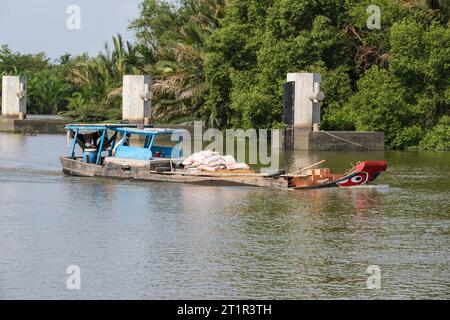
(143, 240)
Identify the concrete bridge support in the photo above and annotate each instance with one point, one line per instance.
(307, 98)
(136, 98)
(14, 97)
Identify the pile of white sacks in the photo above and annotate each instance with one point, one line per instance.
(212, 161)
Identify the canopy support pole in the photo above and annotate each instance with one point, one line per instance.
(74, 144)
(100, 149)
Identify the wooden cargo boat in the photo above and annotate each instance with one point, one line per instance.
(151, 162)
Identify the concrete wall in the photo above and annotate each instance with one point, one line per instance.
(36, 126)
(57, 126)
(6, 125)
(338, 141)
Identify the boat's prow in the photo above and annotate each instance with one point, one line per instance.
(363, 173)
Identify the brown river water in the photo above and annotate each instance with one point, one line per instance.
(144, 240)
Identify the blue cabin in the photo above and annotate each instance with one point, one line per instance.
(146, 149)
(94, 141)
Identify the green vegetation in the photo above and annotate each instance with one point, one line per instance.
(224, 61)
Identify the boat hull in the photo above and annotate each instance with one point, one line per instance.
(81, 169)
(364, 173)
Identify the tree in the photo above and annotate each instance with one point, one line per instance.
(177, 36)
(381, 105)
(439, 137)
(13, 62)
(226, 61)
(47, 92)
(98, 81)
(258, 43)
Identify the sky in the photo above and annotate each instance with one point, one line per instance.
(32, 26)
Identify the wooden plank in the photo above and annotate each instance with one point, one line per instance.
(308, 167)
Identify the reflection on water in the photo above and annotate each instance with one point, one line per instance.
(160, 240)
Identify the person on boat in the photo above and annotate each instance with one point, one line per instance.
(89, 140)
(91, 144)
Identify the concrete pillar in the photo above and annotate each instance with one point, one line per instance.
(307, 100)
(136, 98)
(14, 96)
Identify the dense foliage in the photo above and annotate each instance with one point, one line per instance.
(225, 61)
(396, 79)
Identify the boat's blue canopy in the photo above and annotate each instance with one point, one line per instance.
(146, 131)
(102, 126)
(93, 127)
(126, 151)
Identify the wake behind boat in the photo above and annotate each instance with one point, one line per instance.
(149, 160)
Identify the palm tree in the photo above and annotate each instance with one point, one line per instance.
(47, 92)
(180, 85)
(176, 65)
(100, 78)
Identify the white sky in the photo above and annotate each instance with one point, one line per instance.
(32, 26)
